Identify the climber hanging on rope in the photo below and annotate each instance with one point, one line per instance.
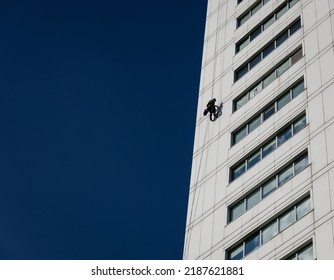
(212, 108)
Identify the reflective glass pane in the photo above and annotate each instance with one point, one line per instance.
(237, 210)
(298, 55)
(268, 148)
(303, 208)
(243, 44)
(255, 90)
(269, 79)
(294, 257)
(239, 135)
(285, 176)
(284, 136)
(237, 253)
(252, 243)
(269, 187)
(254, 124)
(282, 68)
(293, 2)
(268, 112)
(256, 8)
(241, 102)
(241, 72)
(287, 219)
(255, 61)
(237, 171)
(265, 1)
(282, 38)
(269, 22)
(269, 231)
(253, 198)
(285, 99)
(281, 12)
(268, 49)
(297, 89)
(255, 33)
(296, 26)
(253, 159)
(306, 254)
(299, 124)
(301, 163)
(243, 19)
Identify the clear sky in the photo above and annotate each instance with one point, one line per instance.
(97, 116)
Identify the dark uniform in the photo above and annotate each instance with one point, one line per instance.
(210, 107)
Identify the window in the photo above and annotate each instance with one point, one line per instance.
(268, 187)
(299, 124)
(255, 90)
(298, 55)
(268, 80)
(269, 231)
(284, 135)
(292, 3)
(237, 253)
(255, 33)
(303, 208)
(297, 89)
(296, 26)
(252, 243)
(268, 112)
(282, 68)
(237, 210)
(243, 44)
(301, 163)
(268, 148)
(242, 71)
(253, 159)
(306, 253)
(282, 11)
(255, 61)
(268, 49)
(287, 219)
(254, 124)
(242, 101)
(268, 22)
(253, 199)
(238, 171)
(239, 135)
(283, 37)
(285, 99)
(285, 176)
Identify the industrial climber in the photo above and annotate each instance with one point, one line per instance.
(211, 108)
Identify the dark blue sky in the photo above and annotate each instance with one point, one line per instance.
(97, 116)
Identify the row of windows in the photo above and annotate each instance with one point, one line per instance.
(264, 25)
(269, 147)
(280, 39)
(268, 187)
(268, 79)
(267, 112)
(306, 253)
(250, 12)
(270, 230)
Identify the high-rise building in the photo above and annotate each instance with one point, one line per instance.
(262, 181)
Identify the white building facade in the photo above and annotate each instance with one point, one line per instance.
(262, 181)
